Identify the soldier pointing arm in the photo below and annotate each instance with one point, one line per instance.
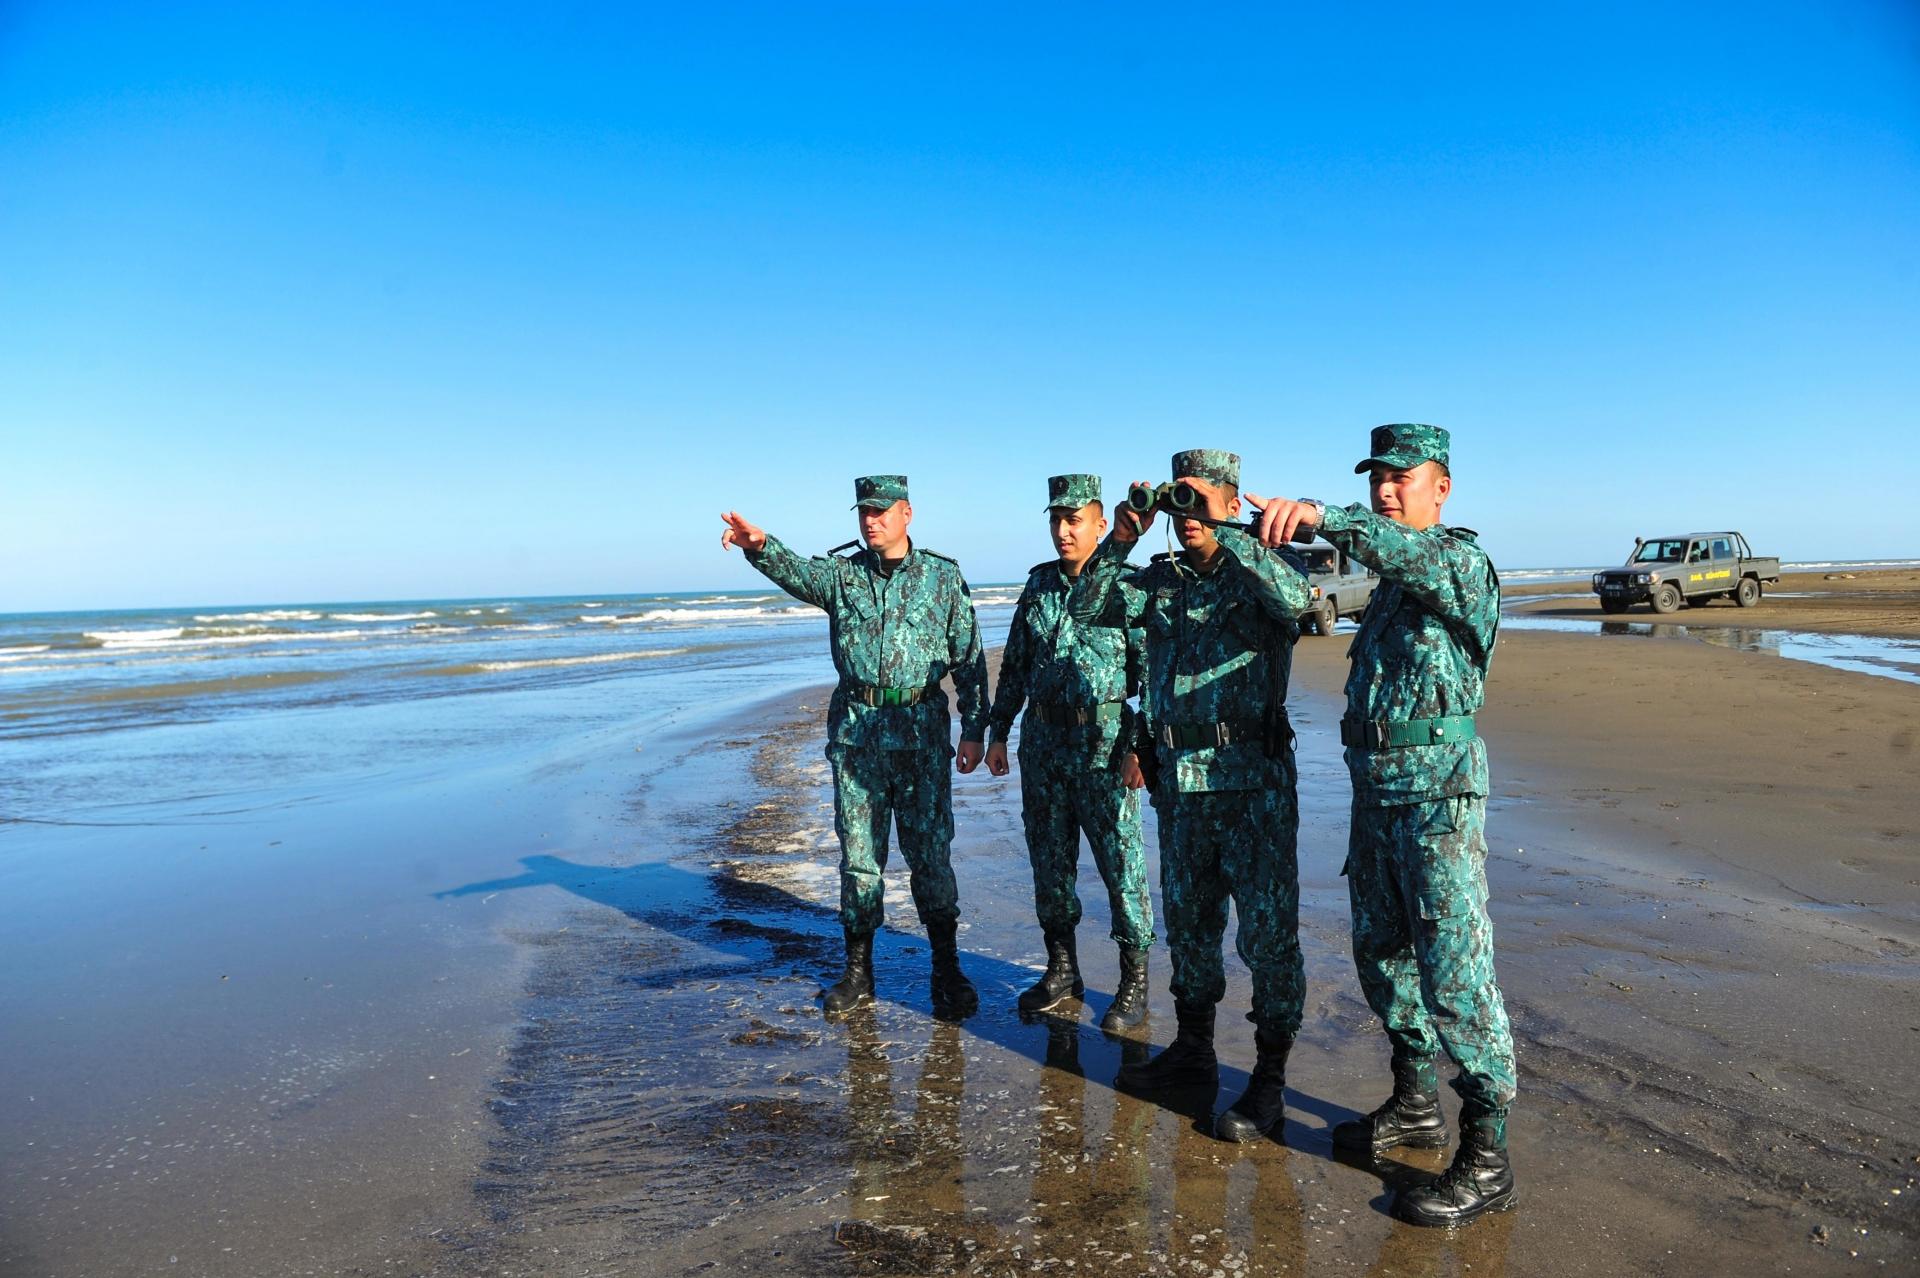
(901, 621)
(1416, 863)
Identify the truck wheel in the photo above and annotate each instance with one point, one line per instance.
(1666, 598)
(1324, 617)
(1613, 605)
(1748, 592)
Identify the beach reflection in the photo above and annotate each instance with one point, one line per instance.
(1152, 1193)
(989, 1146)
(1887, 657)
(1479, 1250)
(909, 1205)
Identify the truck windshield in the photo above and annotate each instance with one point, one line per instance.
(1660, 552)
(1318, 560)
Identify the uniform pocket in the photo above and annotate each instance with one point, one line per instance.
(1447, 861)
(1245, 622)
(1160, 619)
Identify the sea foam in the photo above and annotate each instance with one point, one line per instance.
(595, 660)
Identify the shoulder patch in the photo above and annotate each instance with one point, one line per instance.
(1464, 534)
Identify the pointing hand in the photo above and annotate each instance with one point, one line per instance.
(1280, 519)
(741, 533)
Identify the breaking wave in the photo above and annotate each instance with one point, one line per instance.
(599, 658)
(695, 614)
(275, 614)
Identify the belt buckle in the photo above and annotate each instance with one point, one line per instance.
(1377, 728)
(889, 696)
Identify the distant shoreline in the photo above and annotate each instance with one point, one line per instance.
(1528, 576)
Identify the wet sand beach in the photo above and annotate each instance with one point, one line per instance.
(1705, 865)
(1707, 929)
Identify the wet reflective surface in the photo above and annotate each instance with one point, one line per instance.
(541, 998)
(677, 1104)
(1863, 654)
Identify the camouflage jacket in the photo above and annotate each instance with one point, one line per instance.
(1054, 660)
(905, 629)
(1423, 649)
(1219, 649)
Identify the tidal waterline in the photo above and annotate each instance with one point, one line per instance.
(242, 1026)
(537, 918)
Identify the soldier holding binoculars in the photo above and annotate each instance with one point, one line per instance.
(1221, 621)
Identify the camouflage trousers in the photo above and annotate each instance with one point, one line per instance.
(1061, 795)
(1239, 844)
(874, 790)
(1422, 941)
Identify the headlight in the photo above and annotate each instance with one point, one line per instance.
(1316, 592)
(1597, 579)
(1654, 577)
(1642, 578)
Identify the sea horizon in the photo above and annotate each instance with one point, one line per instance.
(1531, 576)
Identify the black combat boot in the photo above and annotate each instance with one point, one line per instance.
(1062, 977)
(1186, 1061)
(1410, 1117)
(855, 985)
(1262, 1106)
(1129, 1006)
(1479, 1181)
(954, 997)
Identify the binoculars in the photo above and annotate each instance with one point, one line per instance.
(1174, 498)
(1185, 500)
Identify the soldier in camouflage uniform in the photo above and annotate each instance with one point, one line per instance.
(1416, 860)
(901, 620)
(1221, 621)
(1078, 769)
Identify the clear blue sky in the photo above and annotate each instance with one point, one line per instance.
(330, 301)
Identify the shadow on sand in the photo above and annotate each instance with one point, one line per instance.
(745, 924)
(1156, 1193)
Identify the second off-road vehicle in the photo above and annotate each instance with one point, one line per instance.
(1341, 585)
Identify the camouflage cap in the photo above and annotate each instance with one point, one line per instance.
(1215, 465)
(877, 492)
(1405, 444)
(1071, 492)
